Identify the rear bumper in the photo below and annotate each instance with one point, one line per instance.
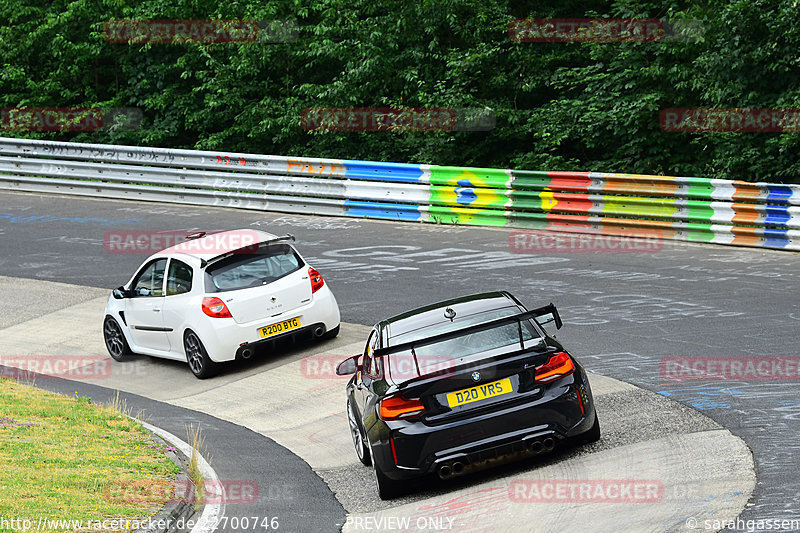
(311, 331)
(228, 341)
(467, 445)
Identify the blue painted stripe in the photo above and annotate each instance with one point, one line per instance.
(777, 215)
(359, 208)
(375, 170)
(779, 193)
(776, 238)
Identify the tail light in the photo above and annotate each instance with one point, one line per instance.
(559, 365)
(215, 308)
(316, 280)
(393, 407)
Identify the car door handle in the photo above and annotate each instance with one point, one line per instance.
(156, 310)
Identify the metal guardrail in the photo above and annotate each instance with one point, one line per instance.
(682, 208)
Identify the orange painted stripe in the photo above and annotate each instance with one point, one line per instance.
(569, 181)
(636, 183)
(745, 191)
(744, 213)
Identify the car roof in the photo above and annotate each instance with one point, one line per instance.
(432, 314)
(216, 244)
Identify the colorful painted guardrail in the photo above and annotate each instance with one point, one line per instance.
(681, 208)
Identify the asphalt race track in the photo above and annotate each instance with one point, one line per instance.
(628, 314)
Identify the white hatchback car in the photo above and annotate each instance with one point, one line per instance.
(216, 298)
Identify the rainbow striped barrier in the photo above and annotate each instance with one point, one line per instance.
(680, 208)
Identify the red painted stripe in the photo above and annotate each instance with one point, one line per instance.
(569, 181)
(571, 203)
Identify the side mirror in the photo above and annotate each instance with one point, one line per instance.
(348, 366)
(119, 293)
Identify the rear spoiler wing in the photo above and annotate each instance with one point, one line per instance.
(250, 248)
(549, 312)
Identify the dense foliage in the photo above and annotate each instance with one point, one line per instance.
(558, 106)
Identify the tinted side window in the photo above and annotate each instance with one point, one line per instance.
(150, 281)
(179, 278)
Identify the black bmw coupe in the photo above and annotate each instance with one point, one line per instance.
(460, 385)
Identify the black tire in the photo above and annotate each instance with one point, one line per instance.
(593, 435)
(362, 451)
(387, 488)
(116, 344)
(200, 363)
(332, 333)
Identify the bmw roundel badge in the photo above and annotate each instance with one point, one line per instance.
(476, 376)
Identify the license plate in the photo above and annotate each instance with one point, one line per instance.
(481, 392)
(279, 327)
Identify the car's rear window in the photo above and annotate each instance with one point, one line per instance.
(438, 357)
(241, 271)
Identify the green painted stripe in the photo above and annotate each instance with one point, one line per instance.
(530, 180)
(469, 177)
(474, 217)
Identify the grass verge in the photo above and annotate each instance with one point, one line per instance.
(64, 458)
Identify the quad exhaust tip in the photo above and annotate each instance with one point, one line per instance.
(445, 471)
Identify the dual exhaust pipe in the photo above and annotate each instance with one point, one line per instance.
(455, 468)
(544, 445)
(317, 332)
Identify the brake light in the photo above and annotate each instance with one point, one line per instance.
(559, 365)
(393, 407)
(316, 280)
(215, 308)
